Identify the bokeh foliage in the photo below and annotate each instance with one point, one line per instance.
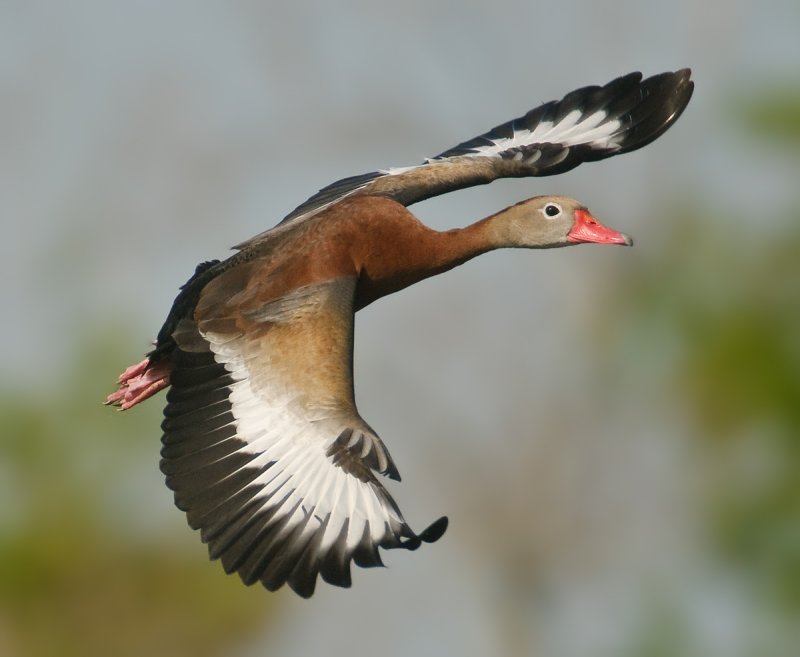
(736, 370)
(723, 299)
(74, 579)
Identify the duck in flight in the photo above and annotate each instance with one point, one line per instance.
(262, 443)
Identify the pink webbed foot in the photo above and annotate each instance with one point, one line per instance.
(139, 382)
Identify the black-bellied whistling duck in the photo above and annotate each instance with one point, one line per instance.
(262, 445)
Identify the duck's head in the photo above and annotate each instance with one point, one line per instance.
(552, 221)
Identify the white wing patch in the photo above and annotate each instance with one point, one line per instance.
(574, 129)
(276, 428)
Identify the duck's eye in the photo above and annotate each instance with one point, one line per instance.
(552, 210)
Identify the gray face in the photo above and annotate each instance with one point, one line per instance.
(539, 222)
(550, 221)
(557, 217)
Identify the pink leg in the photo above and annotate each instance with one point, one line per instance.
(139, 382)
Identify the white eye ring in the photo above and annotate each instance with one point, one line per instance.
(551, 210)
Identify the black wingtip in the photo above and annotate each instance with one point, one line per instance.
(664, 98)
(434, 531)
(430, 534)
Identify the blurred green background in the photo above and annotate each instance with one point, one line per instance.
(615, 434)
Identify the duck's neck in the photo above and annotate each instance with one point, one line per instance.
(415, 252)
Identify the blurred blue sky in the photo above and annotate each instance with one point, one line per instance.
(144, 136)
(139, 138)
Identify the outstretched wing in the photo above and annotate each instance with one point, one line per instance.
(588, 124)
(591, 123)
(263, 446)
